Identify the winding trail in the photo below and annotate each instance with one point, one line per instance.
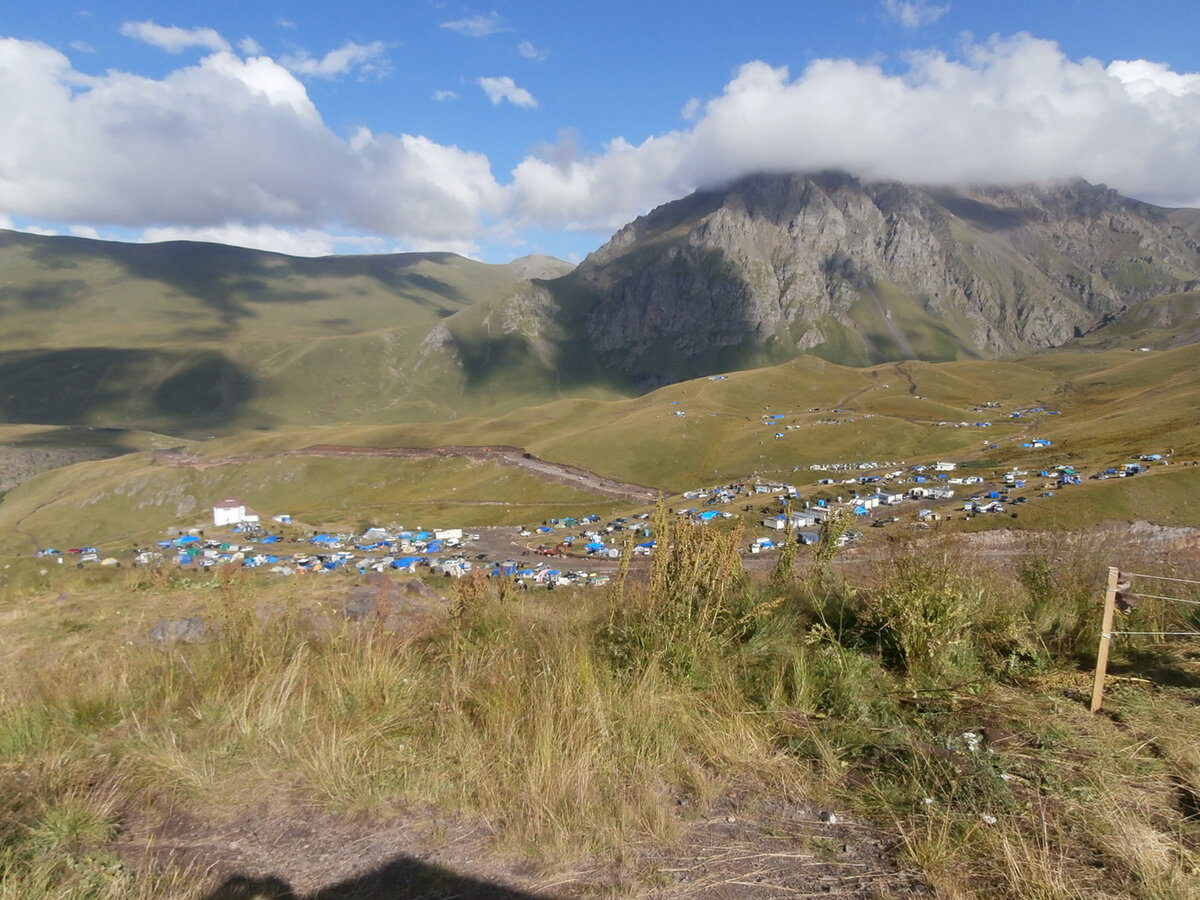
(516, 457)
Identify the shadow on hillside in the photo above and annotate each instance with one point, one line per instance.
(232, 280)
(86, 384)
(984, 216)
(66, 386)
(402, 878)
(46, 294)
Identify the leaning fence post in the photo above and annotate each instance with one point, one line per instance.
(1106, 624)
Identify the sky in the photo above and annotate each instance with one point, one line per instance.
(509, 127)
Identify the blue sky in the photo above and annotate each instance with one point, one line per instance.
(506, 128)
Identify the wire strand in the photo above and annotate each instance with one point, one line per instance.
(1161, 577)
(1160, 633)
(1172, 599)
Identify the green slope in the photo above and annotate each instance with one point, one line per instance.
(198, 339)
(1110, 405)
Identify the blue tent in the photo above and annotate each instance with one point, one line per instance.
(594, 545)
(269, 539)
(709, 515)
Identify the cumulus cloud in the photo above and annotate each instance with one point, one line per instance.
(1009, 110)
(235, 148)
(292, 241)
(347, 58)
(504, 88)
(477, 26)
(443, 95)
(228, 140)
(174, 39)
(914, 13)
(529, 51)
(250, 47)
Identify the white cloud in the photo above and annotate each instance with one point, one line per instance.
(228, 140)
(250, 47)
(235, 147)
(529, 51)
(477, 26)
(350, 56)
(174, 39)
(443, 95)
(691, 109)
(1010, 110)
(914, 13)
(292, 241)
(82, 47)
(504, 88)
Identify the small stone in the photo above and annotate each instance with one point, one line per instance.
(172, 631)
(730, 819)
(828, 818)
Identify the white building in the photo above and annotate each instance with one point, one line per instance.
(231, 511)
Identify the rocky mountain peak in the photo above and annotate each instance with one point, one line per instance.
(861, 271)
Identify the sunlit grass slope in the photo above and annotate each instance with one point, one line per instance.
(200, 339)
(133, 499)
(1111, 405)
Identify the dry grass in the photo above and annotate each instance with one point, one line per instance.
(574, 724)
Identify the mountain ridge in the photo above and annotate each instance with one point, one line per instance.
(775, 265)
(199, 339)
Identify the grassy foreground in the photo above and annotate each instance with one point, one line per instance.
(937, 697)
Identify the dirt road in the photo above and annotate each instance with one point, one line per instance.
(555, 473)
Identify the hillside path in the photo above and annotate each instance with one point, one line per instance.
(556, 473)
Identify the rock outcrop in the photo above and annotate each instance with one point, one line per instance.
(861, 272)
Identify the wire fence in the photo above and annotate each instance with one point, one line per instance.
(1119, 594)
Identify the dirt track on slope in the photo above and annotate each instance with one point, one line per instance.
(516, 457)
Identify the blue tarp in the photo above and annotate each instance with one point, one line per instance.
(594, 545)
(269, 539)
(710, 514)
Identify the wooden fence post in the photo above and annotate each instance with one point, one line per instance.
(1106, 624)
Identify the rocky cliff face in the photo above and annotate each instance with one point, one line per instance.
(862, 272)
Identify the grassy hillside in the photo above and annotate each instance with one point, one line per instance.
(133, 499)
(917, 727)
(1110, 405)
(199, 339)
